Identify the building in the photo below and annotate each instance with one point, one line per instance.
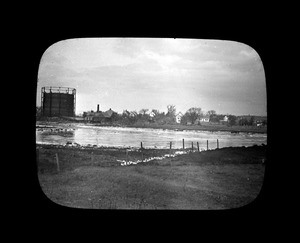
(99, 116)
(252, 120)
(204, 119)
(225, 119)
(108, 115)
(152, 114)
(58, 101)
(178, 117)
(260, 121)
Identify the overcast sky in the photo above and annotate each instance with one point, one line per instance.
(136, 73)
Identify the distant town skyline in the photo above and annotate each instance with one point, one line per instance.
(151, 73)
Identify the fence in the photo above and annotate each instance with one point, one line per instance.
(184, 149)
(190, 145)
(186, 146)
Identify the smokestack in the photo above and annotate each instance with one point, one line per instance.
(98, 108)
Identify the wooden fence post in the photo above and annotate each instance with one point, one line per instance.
(192, 147)
(126, 155)
(183, 143)
(217, 143)
(57, 162)
(198, 146)
(142, 151)
(170, 147)
(206, 144)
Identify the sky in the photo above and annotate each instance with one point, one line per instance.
(152, 73)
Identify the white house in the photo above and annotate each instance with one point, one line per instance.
(225, 119)
(178, 117)
(152, 114)
(204, 119)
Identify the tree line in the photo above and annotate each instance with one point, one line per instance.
(191, 116)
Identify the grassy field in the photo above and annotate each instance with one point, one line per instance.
(93, 178)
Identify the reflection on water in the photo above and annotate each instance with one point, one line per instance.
(116, 136)
(54, 138)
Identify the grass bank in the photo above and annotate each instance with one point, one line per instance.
(93, 178)
(205, 127)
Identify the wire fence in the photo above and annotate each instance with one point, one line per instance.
(185, 144)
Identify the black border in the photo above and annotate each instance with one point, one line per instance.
(42, 209)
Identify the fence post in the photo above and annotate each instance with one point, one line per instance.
(170, 147)
(198, 146)
(206, 144)
(142, 151)
(192, 147)
(57, 161)
(126, 155)
(217, 143)
(183, 143)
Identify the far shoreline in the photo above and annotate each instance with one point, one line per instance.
(209, 128)
(174, 127)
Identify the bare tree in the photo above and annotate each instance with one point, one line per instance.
(171, 110)
(211, 112)
(143, 111)
(156, 112)
(133, 117)
(133, 113)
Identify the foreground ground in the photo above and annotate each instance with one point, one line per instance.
(93, 178)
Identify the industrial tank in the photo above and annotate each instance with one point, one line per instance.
(58, 101)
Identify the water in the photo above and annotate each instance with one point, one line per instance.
(151, 138)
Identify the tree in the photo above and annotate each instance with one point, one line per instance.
(133, 114)
(251, 121)
(193, 114)
(214, 118)
(171, 110)
(171, 115)
(133, 117)
(125, 117)
(116, 117)
(143, 111)
(184, 119)
(231, 120)
(244, 121)
(160, 117)
(125, 113)
(211, 113)
(155, 112)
